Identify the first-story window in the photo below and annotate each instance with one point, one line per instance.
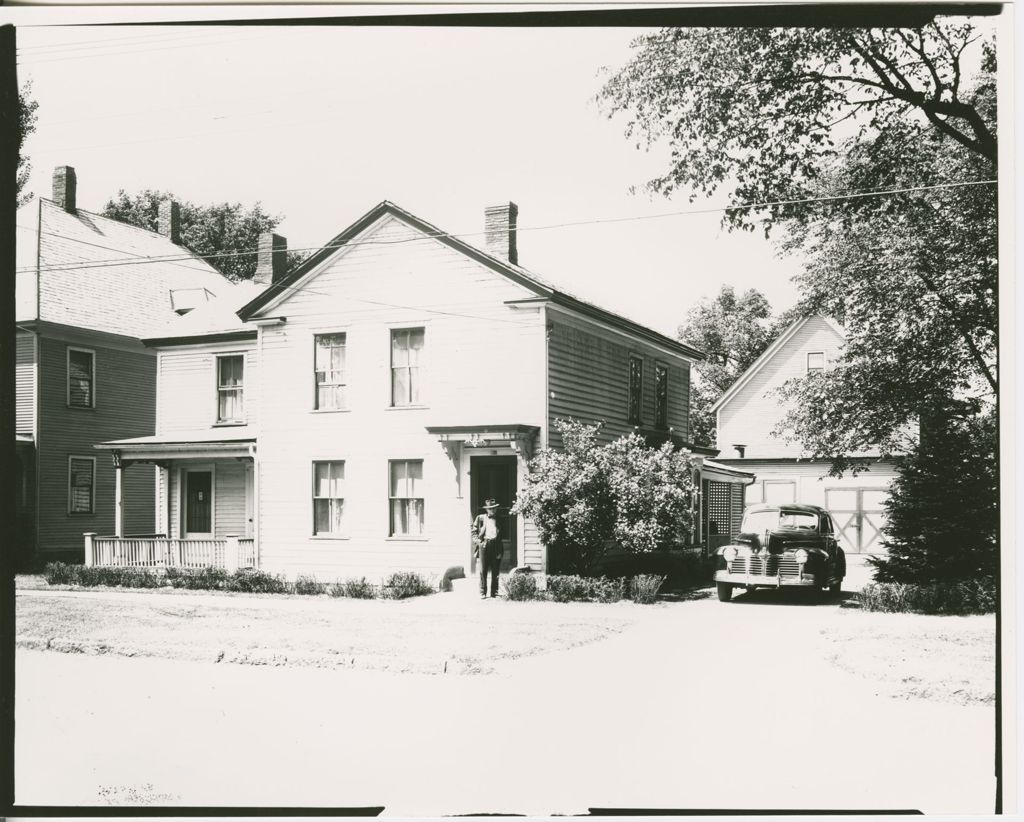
(230, 382)
(328, 497)
(406, 497)
(81, 378)
(81, 485)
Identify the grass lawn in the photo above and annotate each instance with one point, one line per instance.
(913, 656)
(434, 634)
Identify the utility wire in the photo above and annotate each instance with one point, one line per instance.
(602, 221)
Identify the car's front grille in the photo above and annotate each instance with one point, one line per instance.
(777, 565)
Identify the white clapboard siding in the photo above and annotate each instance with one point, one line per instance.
(811, 480)
(482, 364)
(229, 499)
(750, 416)
(187, 386)
(25, 383)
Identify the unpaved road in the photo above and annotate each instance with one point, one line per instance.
(689, 705)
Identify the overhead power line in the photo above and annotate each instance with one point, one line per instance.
(463, 235)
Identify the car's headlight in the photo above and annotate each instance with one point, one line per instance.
(729, 554)
(801, 556)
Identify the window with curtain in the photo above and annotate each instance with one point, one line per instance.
(81, 483)
(406, 355)
(328, 497)
(661, 396)
(230, 401)
(81, 378)
(331, 385)
(406, 498)
(636, 383)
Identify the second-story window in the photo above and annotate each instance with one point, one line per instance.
(230, 400)
(331, 384)
(81, 378)
(660, 396)
(406, 354)
(636, 388)
(815, 361)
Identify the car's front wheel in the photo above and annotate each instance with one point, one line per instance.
(724, 591)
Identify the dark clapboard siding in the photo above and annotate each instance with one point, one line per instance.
(125, 407)
(588, 379)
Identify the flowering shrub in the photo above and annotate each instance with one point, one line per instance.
(590, 496)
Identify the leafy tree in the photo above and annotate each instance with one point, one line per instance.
(733, 332)
(26, 125)
(209, 231)
(915, 284)
(762, 111)
(589, 497)
(925, 543)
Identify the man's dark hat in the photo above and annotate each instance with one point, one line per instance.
(490, 504)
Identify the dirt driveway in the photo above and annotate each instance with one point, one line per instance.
(756, 704)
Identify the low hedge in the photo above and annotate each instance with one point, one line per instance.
(642, 588)
(63, 573)
(681, 569)
(944, 598)
(400, 585)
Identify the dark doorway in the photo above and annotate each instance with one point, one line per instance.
(199, 503)
(495, 478)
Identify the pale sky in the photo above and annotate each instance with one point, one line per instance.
(320, 124)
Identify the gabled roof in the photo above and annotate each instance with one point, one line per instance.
(518, 274)
(770, 352)
(88, 276)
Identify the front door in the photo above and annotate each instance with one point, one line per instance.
(199, 504)
(859, 514)
(495, 478)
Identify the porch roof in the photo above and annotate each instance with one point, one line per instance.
(724, 473)
(203, 439)
(465, 432)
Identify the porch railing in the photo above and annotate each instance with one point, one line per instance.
(158, 551)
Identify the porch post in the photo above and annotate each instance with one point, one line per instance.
(231, 554)
(89, 559)
(118, 495)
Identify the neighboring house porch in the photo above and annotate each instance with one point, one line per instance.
(205, 501)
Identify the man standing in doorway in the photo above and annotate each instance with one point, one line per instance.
(487, 546)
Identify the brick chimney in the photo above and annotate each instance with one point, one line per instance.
(169, 221)
(500, 232)
(65, 186)
(271, 259)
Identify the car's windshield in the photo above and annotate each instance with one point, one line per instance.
(757, 522)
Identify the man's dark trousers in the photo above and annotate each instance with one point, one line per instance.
(490, 561)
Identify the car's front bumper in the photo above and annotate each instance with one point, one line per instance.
(767, 581)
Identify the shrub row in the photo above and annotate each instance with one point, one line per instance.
(397, 586)
(642, 589)
(948, 598)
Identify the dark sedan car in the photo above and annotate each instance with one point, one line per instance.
(782, 546)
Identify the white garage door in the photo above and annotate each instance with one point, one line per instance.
(860, 516)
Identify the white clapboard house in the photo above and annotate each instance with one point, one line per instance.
(350, 417)
(751, 409)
